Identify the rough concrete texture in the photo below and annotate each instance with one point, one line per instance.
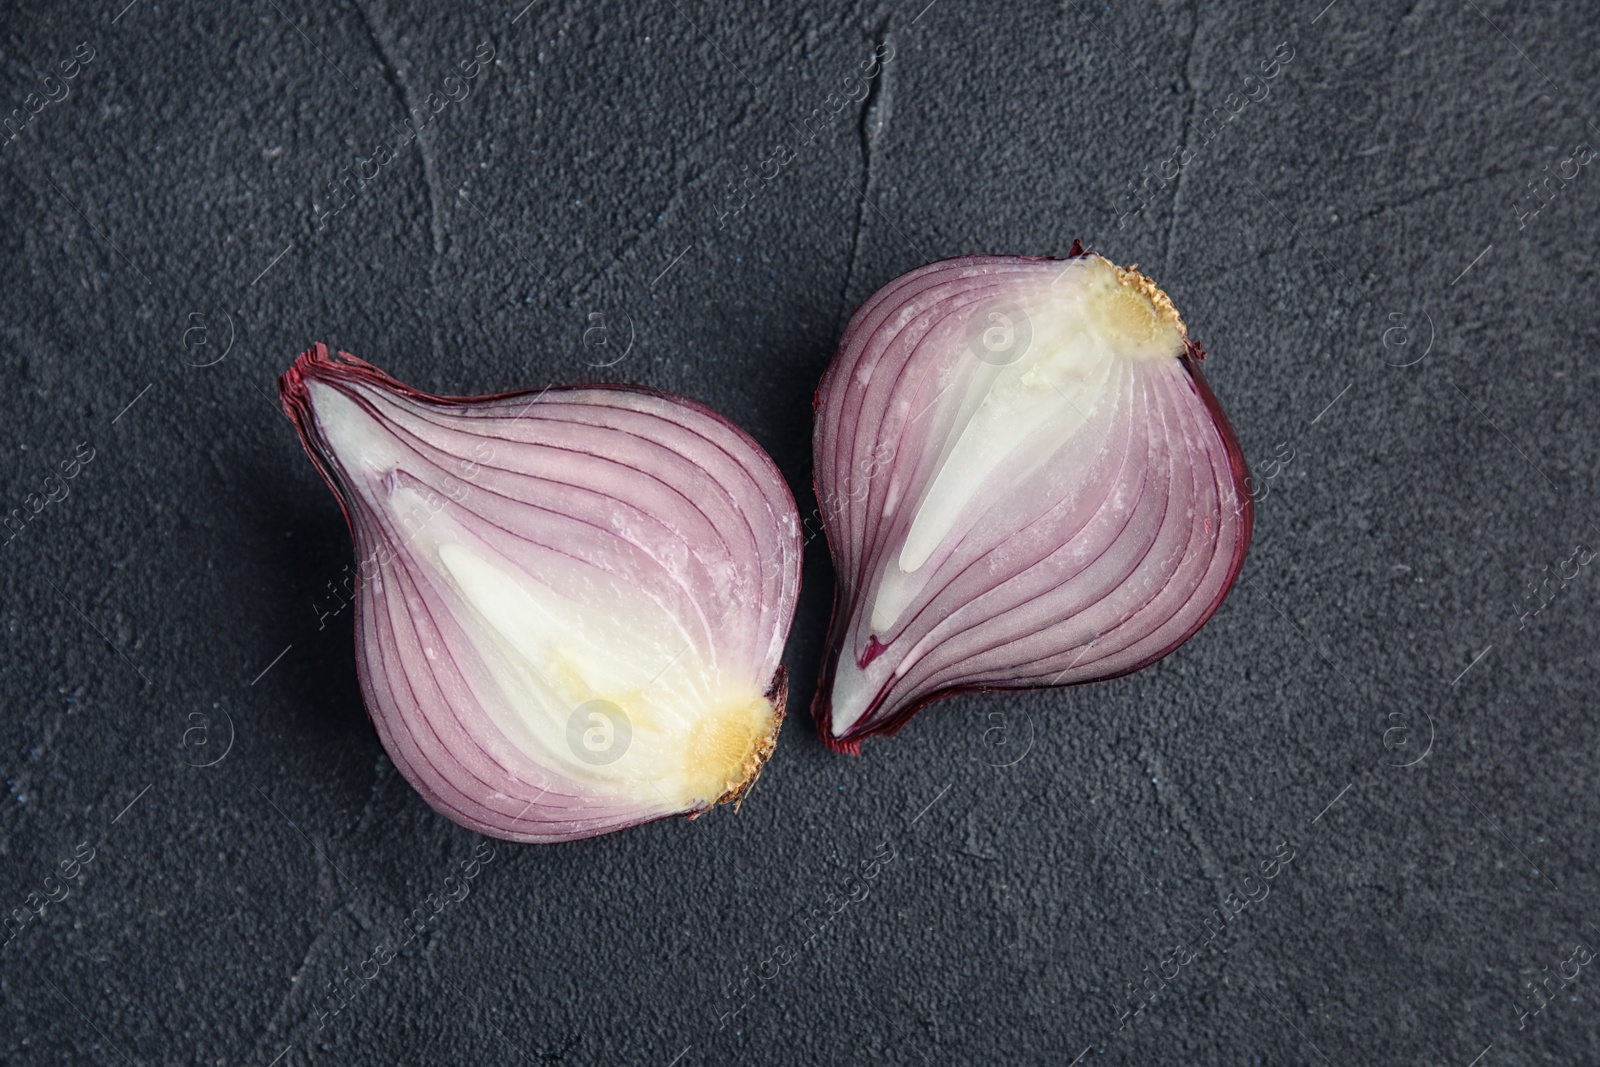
(1401, 328)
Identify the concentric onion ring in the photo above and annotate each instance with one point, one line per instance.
(572, 604)
(1025, 481)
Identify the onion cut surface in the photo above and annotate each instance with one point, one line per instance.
(571, 605)
(1025, 481)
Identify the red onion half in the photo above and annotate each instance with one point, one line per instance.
(1025, 482)
(571, 604)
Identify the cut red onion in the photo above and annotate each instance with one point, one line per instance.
(571, 604)
(1025, 482)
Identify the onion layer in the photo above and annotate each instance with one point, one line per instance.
(1026, 482)
(571, 605)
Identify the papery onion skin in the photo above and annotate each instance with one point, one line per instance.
(623, 507)
(890, 412)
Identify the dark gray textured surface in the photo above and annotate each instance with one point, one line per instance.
(162, 214)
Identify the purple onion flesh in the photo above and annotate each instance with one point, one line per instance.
(1025, 482)
(571, 604)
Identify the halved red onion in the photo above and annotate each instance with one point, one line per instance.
(1025, 482)
(571, 604)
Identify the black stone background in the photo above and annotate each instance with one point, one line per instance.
(1408, 365)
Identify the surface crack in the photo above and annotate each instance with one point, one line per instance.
(392, 75)
(869, 126)
(1167, 793)
(381, 772)
(1447, 186)
(1188, 126)
(272, 1026)
(631, 241)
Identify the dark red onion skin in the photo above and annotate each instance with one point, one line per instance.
(821, 704)
(316, 362)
